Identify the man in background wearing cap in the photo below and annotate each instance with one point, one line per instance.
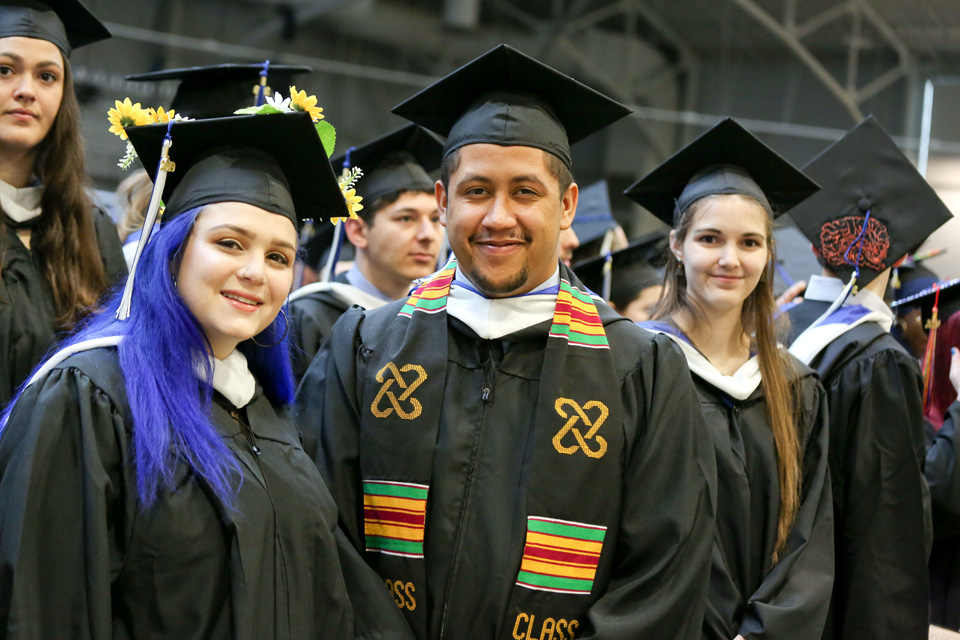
(874, 208)
(516, 459)
(396, 238)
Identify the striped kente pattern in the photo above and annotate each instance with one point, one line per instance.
(394, 514)
(560, 556)
(575, 319)
(431, 297)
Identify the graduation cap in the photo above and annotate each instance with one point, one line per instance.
(268, 161)
(937, 304)
(66, 23)
(726, 159)
(874, 207)
(397, 161)
(944, 295)
(507, 98)
(630, 269)
(911, 280)
(594, 213)
(218, 90)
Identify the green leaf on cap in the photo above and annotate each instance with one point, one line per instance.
(328, 136)
(262, 110)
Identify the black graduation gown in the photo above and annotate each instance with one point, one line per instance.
(482, 469)
(311, 319)
(78, 559)
(27, 308)
(881, 500)
(943, 475)
(747, 596)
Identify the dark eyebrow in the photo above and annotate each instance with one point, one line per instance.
(235, 228)
(476, 177)
(410, 210)
(533, 179)
(18, 59)
(252, 236)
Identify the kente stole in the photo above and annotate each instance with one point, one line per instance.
(578, 455)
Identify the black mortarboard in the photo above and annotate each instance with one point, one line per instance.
(507, 98)
(948, 302)
(866, 171)
(218, 90)
(912, 279)
(275, 162)
(594, 213)
(631, 268)
(726, 159)
(398, 161)
(66, 23)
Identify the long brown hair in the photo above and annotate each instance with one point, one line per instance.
(65, 241)
(776, 366)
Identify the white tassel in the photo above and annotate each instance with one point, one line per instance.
(836, 304)
(330, 267)
(166, 166)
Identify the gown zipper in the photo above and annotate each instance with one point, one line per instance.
(251, 439)
(489, 369)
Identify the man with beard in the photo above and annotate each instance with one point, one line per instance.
(515, 459)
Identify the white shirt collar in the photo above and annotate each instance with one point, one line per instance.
(739, 386)
(826, 289)
(232, 378)
(20, 204)
(493, 318)
(356, 278)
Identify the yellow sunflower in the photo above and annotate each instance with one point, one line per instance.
(125, 115)
(159, 115)
(353, 204)
(300, 101)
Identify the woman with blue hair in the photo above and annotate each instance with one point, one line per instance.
(152, 484)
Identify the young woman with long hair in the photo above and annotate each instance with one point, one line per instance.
(152, 483)
(58, 253)
(773, 562)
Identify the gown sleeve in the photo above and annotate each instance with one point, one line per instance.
(658, 588)
(943, 475)
(336, 451)
(794, 596)
(60, 461)
(881, 501)
(337, 454)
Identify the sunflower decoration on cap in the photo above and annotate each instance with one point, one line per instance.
(299, 101)
(129, 114)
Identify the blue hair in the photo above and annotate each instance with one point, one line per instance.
(162, 340)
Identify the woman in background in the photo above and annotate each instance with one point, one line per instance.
(772, 566)
(59, 253)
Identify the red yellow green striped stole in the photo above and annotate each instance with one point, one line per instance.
(394, 514)
(560, 556)
(431, 296)
(575, 317)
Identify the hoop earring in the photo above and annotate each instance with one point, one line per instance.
(286, 326)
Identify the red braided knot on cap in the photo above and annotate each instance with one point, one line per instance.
(838, 235)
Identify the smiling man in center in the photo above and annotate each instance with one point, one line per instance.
(515, 459)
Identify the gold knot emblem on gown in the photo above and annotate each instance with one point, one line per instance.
(395, 402)
(579, 414)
